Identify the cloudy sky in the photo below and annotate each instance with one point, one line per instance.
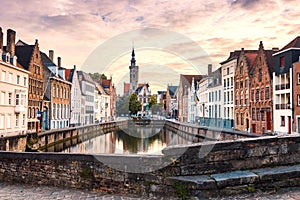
(170, 37)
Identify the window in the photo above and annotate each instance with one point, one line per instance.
(282, 61)
(9, 98)
(298, 78)
(54, 91)
(257, 114)
(17, 99)
(282, 120)
(17, 120)
(267, 93)
(259, 75)
(1, 121)
(23, 120)
(242, 68)
(298, 99)
(3, 76)
(236, 85)
(224, 83)
(263, 116)
(231, 96)
(237, 118)
(252, 95)
(241, 84)
(247, 83)
(231, 82)
(228, 71)
(242, 118)
(18, 79)
(8, 122)
(25, 81)
(225, 97)
(253, 113)
(262, 94)
(2, 98)
(257, 95)
(10, 77)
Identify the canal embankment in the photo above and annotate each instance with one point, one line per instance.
(155, 174)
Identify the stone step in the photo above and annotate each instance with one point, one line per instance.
(236, 178)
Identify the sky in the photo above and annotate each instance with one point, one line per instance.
(169, 37)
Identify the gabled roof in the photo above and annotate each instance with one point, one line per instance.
(46, 60)
(85, 76)
(172, 90)
(251, 58)
(100, 88)
(21, 43)
(105, 83)
(24, 54)
(295, 43)
(270, 60)
(189, 78)
(236, 54)
(138, 90)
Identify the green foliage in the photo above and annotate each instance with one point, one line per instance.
(134, 104)
(181, 190)
(86, 173)
(122, 105)
(97, 77)
(152, 101)
(251, 189)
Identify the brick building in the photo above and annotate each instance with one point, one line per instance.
(261, 91)
(30, 58)
(242, 79)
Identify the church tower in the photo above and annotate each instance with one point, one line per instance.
(134, 74)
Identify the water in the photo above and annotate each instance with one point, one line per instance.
(146, 141)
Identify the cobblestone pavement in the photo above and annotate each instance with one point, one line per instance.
(18, 192)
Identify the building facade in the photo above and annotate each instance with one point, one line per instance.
(57, 91)
(228, 70)
(182, 95)
(72, 76)
(261, 92)
(30, 58)
(242, 79)
(13, 92)
(87, 87)
(283, 91)
(102, 104)
(171, 101)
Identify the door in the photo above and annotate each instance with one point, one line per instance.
(253, 128)
(268, 120)
(298, 125)
(289, 125)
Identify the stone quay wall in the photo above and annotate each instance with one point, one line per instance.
(147, 174)
(209, 133)
(13, 143)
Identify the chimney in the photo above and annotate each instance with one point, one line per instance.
(209, 69)
(59, 61)
(11, 41)
(1, 40)
(58, 65)
(51, 55)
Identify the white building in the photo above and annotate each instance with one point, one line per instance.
(192, 103)
(102, 104)
(228, 70)
(144, 94)
(202, 94)
(13, 94)
(88, 92)
(71, 75)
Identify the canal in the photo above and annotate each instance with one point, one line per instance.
(142, 140)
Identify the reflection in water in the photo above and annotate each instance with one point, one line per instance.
(119, 142)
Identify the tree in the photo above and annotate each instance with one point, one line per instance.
(97, 77)
(122, 105)
(152, 101)
(134, 104)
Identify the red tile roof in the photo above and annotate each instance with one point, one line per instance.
(295, 43)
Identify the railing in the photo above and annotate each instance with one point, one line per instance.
(282, 86)
(282, 106)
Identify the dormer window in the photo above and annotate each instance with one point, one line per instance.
(7, 59)
(282, 61)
